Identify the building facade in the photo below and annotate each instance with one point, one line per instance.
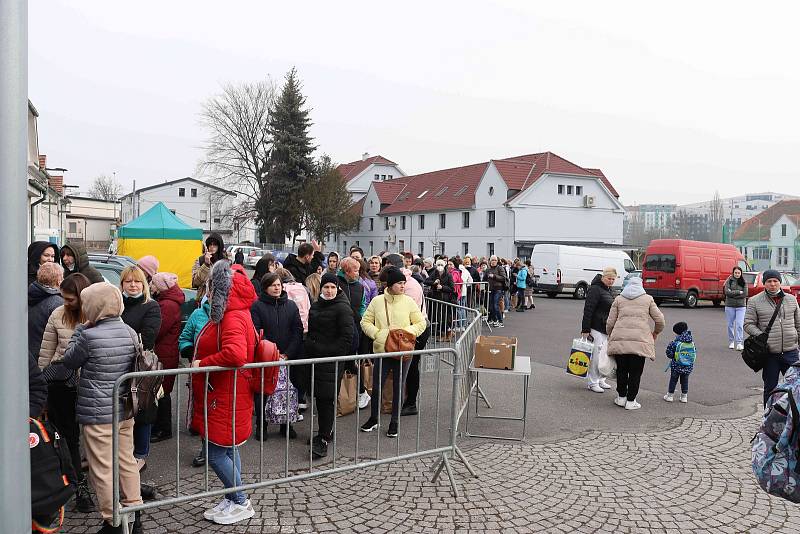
(92, 221)
(502, 207)
(361, 173)
(771, 239)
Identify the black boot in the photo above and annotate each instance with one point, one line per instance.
(162, 429)
(137, 524)
(83, 499)
(107, 528)
(149, 493)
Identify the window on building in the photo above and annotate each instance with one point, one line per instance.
(357, 243)
(181, 191)
(441, 247)
(203, 216)
(464, 248)
(402, 222)
(385, 245)
(560, 189)
(73, 227)
(386, 223)
(578, 189)
(371, 224)
(390, 176)
(421, 222)
(344, 245)
(421, 248)
(783, 256)
(490, 249)
(783, 230)
(377, 176)
(490, 218)
(465, 219)
(442, 220)
(569, 189)
(216, 219)
(383, 176)
(371, 249)
(402, 246)
(761, 252)
(194, 192)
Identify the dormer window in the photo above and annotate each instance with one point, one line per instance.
(423, 194)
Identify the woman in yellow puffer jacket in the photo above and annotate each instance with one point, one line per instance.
(391, 310)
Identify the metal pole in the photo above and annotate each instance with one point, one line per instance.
(15, 506)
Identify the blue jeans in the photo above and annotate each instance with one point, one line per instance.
(494, 305)
(141, 440)
(774, 366)
(735, 317)
(673, 381)
(461, 313)
(226, 463)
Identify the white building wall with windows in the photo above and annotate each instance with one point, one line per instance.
(782, 242)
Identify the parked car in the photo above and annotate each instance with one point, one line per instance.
(233, 249)
(111, 258)
(755, 283)
(112, 269)
(569, 269)
(688, 271)
(252, 258)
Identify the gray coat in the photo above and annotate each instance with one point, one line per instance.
(786, 329)
(103, 353)
(735, 295)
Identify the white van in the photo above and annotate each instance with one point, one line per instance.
(568, 269)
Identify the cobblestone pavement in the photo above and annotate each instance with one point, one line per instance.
(691, 478)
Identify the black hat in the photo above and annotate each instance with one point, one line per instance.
(329, 278)
(680, 328)
(771, 273)
(394, 275)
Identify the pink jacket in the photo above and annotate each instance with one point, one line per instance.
(414, 290)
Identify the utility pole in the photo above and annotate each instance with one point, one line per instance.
(15, 484)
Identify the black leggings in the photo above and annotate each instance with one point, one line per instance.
(61, 401)
(629, 373)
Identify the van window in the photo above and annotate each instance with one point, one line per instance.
(749, 278)
(629, 266)
(664, 263)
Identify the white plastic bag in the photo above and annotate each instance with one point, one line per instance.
(607, 365)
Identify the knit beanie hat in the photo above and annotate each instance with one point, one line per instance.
(148, 264)
(680, 328)
(394, 275)
(163, 281)
(771, 273)
(610, 271)
(329, 278)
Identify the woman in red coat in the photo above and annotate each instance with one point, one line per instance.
(227, 340)
(170, 298)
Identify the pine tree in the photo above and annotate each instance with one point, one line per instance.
(291, 165)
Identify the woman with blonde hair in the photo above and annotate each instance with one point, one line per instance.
(143, 314)
(313, 286)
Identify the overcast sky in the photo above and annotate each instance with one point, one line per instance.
(672, 102)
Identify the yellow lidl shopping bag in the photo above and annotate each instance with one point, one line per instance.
(579, 357)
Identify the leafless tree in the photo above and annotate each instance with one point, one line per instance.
(105, 187)
(716, 218)
(239, 145)
(327, 202)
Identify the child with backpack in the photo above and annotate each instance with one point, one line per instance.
(681, 353)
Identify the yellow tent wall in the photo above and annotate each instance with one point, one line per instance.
(174, 255)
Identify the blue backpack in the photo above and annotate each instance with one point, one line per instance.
(775, 446)
(685, 353)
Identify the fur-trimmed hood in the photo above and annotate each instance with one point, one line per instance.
(230, 290)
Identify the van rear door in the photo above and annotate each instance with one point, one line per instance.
(545, 264)
(659, 271)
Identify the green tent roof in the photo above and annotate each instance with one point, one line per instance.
(159, 223)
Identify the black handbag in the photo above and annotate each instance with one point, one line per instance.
(756, 350)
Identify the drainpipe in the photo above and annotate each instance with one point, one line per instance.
(33, 205)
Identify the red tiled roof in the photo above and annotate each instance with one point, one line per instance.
(439, 190)
(455, 188)
(358, 207)
(350, 171)
(757, 227)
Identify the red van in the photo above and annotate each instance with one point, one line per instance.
(686, 271)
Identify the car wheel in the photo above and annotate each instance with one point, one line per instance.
(551, 294)
(691, 300)
(580, 292)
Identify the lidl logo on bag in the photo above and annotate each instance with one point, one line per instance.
(33, 439)
(578, 363)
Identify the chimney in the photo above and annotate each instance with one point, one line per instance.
(364, 156)
(42, 162)
(57, 183)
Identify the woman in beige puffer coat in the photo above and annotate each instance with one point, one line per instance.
(631, 340)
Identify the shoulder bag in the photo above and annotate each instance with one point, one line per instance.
(398, 340)
(756, 350)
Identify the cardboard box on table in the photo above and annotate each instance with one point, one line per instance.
(495, 352)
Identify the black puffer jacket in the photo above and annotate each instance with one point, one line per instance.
(447, 293)
(597, 305)
(41, 303)
(35, 251)
(37, 388)
(143, 317)
(81, 263)
(300, 271)
(330, 333)
(280, 320)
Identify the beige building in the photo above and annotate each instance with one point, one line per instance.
(92, 221)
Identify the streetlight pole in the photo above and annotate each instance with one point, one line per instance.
(15, 506)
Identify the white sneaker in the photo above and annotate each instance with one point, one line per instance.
(302, 406)
(218, 509)
(596, 388)
(620, 401)
(669, 397)
(363, 400)
(732, 345)
(684, 397)
(632, 405)
(235, 513)
(740, 346)
(604, 384)
(299, 417)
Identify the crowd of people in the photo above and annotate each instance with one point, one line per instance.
(84, 333)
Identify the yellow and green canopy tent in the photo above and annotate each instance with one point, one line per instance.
(158, 232)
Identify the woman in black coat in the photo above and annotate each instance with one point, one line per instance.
(441, 288)
(330, 333)
(143, 314)
(595, 315)
(279, 318)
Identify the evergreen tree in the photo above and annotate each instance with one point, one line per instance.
(290, 165)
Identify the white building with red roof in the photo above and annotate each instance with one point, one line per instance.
(502, 207)
(360, 174)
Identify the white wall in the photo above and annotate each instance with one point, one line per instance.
(360, 184)
(778, 241)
